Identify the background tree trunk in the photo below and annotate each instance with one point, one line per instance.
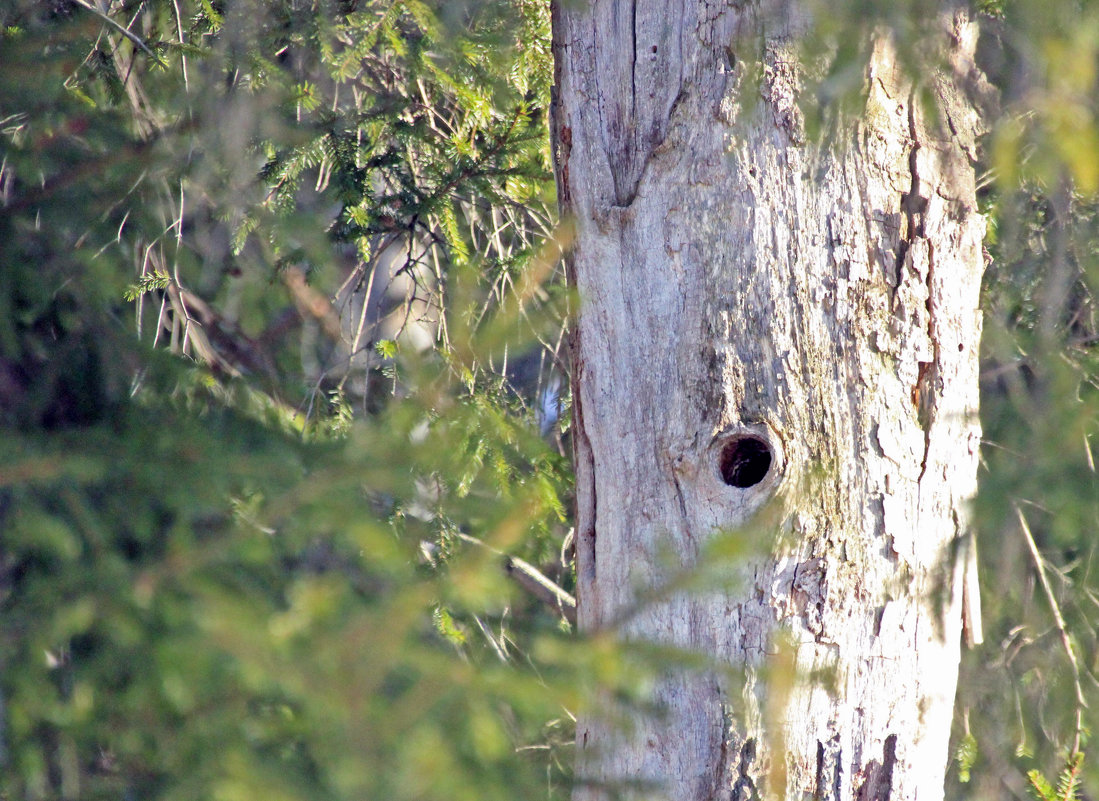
(749, 293)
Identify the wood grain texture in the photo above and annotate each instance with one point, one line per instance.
(741, 279)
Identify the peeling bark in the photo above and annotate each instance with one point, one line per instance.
(771, 328)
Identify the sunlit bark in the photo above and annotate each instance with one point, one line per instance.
(776, 327)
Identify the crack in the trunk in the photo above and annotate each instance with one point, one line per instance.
(829, 771)
(913, 205)
(878, 784)
(682, 502)
(744, 788)
(633, 60)
(584, 460)
(924, 391)
(721, 769)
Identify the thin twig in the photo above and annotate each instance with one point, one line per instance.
(1059, 620)
(121, 29)
(373, 267)
(182, 45)
(497, 648)
(532, 580)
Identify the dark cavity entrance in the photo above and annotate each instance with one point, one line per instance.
(745, 462)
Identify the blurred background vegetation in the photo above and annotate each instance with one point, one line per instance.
(280, 392)
(284, 488)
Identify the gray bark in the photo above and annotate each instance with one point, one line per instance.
(750, 292)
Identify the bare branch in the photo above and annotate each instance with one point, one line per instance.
(121, 29)
(1059, 620)
(532, 580)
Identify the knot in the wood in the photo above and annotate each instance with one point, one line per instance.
(744, 461)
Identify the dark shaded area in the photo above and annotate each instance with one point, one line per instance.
(745, 462)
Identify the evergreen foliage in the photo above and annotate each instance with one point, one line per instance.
(1026, 695)
(219, 577)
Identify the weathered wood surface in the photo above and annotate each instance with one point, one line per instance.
(740, 279)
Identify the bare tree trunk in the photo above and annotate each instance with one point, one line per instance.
(771, 323)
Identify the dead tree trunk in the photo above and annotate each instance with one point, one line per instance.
(771, 322)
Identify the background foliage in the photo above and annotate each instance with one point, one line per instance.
(283, 489)
(1026, 696)
(278, 329)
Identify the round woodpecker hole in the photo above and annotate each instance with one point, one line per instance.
(744, 462)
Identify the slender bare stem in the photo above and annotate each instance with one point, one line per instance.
(120, 28)
(1059, 620)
